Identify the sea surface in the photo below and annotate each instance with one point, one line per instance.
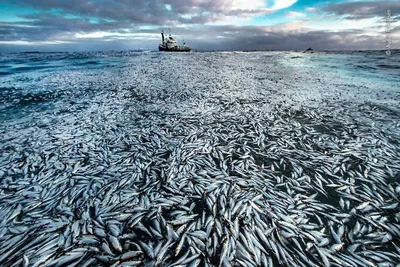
(201, 159)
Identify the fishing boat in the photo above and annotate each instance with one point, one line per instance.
(169, 44)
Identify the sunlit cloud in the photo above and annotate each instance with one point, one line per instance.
(116, 35)
(281, 4)
(293, 14)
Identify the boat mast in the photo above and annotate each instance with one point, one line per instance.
(162, 35)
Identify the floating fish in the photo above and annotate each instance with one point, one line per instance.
(175, 170)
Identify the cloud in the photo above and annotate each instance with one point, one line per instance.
(293, 14)
(281, 4)
(286, 36)
(156, 12)
(204, 24)
(244, 4)
(363, 9)
(47, 27)
(310, 9)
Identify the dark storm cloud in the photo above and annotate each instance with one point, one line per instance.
(44, 27)
(122, 21)
(256, 38)
(363, 10)
(139, 11)
(225, 37)
(153, 12)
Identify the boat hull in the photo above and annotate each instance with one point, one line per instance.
(175, 49)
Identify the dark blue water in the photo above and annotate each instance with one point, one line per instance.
(374, 65)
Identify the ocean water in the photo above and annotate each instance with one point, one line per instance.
(89, 140)
(35, 84)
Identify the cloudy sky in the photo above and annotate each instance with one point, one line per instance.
(82, 25)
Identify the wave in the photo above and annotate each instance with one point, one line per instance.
(365, 67)
(386, 66)
(32, 68)
(91, 62)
